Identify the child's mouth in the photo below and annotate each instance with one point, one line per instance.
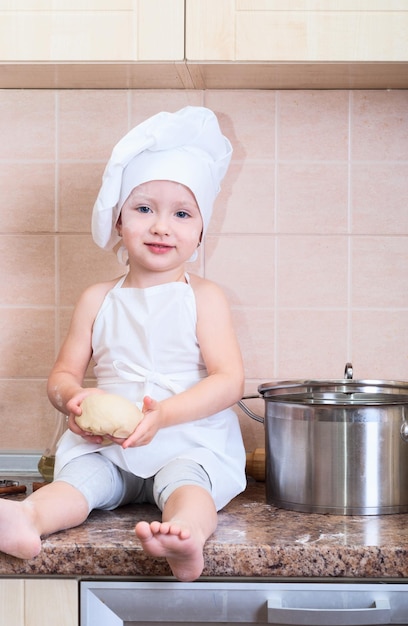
(159, 248)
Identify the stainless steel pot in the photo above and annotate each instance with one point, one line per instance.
(336, 446)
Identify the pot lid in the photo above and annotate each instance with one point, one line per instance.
(337, 391)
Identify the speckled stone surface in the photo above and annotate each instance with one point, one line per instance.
(253, 539)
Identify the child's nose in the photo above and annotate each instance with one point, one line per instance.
(161, 226)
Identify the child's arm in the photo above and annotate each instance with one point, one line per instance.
(224, 384)
(64, 388)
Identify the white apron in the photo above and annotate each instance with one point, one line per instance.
(144, 343)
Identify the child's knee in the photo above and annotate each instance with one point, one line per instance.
(176, 474)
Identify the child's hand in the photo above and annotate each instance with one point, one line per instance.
(148, 427)
(74, 406)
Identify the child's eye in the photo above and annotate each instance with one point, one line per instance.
(182, 214)
(143, 209)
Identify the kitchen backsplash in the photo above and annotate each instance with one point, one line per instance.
(309, 237)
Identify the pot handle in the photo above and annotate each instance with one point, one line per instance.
(248, 411)
(404, 428)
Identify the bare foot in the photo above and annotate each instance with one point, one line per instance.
(18, 535)
(184, 553)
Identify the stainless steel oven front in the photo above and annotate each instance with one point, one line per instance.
(248, 601)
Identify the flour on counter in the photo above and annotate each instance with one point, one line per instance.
(321, 537)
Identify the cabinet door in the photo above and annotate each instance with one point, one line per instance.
(92, 30)
(11, 602)
(160, 30)
(51, 602)
(297, 30)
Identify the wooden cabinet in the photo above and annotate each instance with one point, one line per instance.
(12, 602)
(38, 602)
(91, 30)
(204, 44)
(216, 30)
(297, 30)
(297, 44)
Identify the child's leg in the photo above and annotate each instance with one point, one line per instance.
(189, 518)
(53, 507)
(87, 482)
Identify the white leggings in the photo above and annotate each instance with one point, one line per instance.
(107, 486)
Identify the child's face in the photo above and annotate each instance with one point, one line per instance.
(160, 224)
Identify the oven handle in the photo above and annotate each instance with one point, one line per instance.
(380, 613)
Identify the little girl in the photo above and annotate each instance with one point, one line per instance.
(163, 339)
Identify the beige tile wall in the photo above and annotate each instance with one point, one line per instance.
(309, 237)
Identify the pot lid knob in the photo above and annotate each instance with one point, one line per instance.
(348, 371)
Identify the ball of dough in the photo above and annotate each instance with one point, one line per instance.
(108, 414)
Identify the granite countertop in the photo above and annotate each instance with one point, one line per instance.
(253, 539)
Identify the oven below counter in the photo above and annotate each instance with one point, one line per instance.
(237, 603)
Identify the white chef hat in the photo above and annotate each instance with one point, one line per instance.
(185, 147)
